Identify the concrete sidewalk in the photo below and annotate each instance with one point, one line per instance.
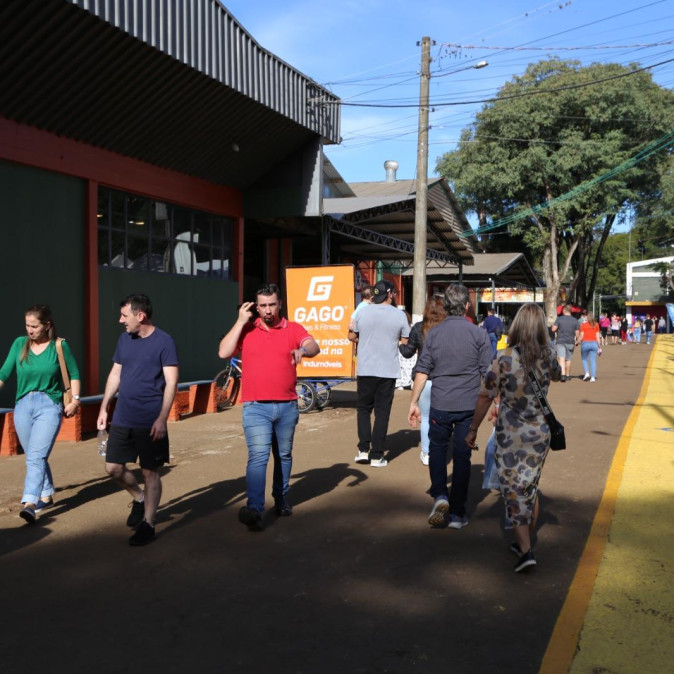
(355, 581)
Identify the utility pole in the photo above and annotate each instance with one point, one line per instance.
(421, 212)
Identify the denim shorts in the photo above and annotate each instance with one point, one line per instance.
(564, 351)
(131, 445)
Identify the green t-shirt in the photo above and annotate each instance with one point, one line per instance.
(38, 373)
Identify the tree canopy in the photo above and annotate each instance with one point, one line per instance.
(551, 156)
(654, 229)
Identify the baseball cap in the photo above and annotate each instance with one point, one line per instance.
(381, 291)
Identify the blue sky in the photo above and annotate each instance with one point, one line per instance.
(366, 51)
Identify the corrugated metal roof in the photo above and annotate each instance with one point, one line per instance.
(440, 196)
(177, 83)
(339, 207)
(334, 181)
(503, 267)
(394, 215)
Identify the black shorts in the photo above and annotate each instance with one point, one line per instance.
(604, 331)
(131, 445)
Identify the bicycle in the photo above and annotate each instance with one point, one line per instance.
(306, 396)
(228, 384)
(310, 394)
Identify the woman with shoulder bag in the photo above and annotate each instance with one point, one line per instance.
(522, 432)
(39, 402)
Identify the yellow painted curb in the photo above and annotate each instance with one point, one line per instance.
(564, 640)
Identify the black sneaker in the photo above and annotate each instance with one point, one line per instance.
(143, 535)
(515, 548)
(137, 514)
(526, 561)
(28, 514)
(251, 518)
(282, 508)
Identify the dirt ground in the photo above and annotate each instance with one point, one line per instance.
(355, 581)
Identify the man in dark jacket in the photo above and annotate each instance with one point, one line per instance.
(456, 357)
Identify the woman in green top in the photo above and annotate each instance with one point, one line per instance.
(39, 409)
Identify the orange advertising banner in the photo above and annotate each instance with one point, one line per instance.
(322, 300)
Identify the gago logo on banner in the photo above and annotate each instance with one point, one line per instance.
(320, 288)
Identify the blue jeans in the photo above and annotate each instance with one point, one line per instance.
(588, 350)
(425, 409)
(37, 419)
(442, 426)
(268, 427)
(649, 334)
(494, 342)
(637, 335)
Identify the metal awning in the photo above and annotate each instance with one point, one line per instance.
(382, 227)
(504, 269)
(175, 83)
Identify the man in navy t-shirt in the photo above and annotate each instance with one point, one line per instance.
(494, 327)
(145, 373)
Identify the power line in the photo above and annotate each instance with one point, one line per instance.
(534, 92)
(599, 46)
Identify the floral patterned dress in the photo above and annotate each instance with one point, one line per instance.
(522, 434)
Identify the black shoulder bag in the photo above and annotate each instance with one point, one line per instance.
(557, 438)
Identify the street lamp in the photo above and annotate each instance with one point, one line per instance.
(421, 205)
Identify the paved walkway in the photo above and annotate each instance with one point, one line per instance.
(355, 581)
(619, 614)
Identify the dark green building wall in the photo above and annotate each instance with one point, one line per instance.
(196, 312)
(43, 258)
(42, 217)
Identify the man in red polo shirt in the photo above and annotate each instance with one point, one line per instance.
(271, 347)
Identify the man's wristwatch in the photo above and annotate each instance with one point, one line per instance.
(76, 398)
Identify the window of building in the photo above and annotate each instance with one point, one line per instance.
(142, 234)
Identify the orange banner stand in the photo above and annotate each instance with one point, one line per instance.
(322, 300)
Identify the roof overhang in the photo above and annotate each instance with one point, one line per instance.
(378, 225)
(178, 85)
(502, 269)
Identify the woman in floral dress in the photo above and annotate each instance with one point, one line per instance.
(522, 434)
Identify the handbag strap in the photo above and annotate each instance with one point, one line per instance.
(62, 363)
(540, 396)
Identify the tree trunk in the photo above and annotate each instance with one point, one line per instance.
(608, 224)
(552, 287)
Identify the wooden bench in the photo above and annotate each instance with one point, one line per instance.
(9, 441)
(192, 397)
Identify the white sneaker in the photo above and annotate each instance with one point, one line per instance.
(456, 522)
(587, 376)
(362, 457)
(438, 516)
(379, 463)
(592, 380)
(424, 457)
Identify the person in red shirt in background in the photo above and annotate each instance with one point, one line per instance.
(589, 347)
(271, 348)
